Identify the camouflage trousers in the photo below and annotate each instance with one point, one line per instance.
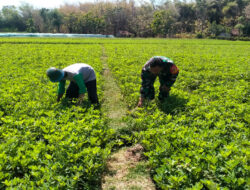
(147, 89)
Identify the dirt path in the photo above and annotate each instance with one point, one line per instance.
(127, 170)
(113, 104)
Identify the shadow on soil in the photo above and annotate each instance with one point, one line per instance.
(172, 105)
(137, 120)
(66, 103)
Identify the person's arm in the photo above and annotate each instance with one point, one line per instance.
(82, 87)
(61, 90)
(174, 71)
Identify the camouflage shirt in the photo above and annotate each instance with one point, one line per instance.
(167, 76)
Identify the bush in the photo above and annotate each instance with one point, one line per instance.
(199, 35)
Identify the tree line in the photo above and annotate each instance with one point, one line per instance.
(171, 18)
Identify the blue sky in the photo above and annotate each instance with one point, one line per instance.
(42, 3)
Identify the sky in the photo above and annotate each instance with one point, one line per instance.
(42, 3)
(48, 3)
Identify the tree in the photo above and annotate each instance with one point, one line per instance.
(186, 17)
(44, 14)
(163, 23)
(201, 12)
(11, 19)
(116, 19)
(71, 22)
(1, 21)
(230, 10)
(240, 27)
(27, 17)
(26, 11)
(55, 18)
(214, 11)
(38, 21)
(215, 29)
(241, 5)
(140, 24)
(90, 23)
(247, 12)
(30, 25)
(156, 17)
(52, 19)
(246, 29)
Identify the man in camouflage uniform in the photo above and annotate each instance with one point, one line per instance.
(167, 72)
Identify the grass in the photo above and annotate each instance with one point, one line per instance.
(139, 170)
(121, 170)
(113, 104)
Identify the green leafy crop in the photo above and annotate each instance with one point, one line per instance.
(199, 137)
(45, 144)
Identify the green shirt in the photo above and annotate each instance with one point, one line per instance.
(79, 81)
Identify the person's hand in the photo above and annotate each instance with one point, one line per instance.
(80, 99)
(140, 103)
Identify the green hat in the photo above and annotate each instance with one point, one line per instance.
(54, 74)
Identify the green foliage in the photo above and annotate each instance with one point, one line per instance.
(128, 19)
(90, 23)
(216, 29)
(230, 10)
(44, 144)
(11, 19)
(162, 22)
(199, 137)
(30, 25)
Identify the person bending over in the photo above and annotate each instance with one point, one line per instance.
(167, 72)
(82, 79)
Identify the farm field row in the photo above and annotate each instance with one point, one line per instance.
(47, 144)
(129, 41)
(197, 139)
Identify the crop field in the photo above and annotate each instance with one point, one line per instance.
(197, 139)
